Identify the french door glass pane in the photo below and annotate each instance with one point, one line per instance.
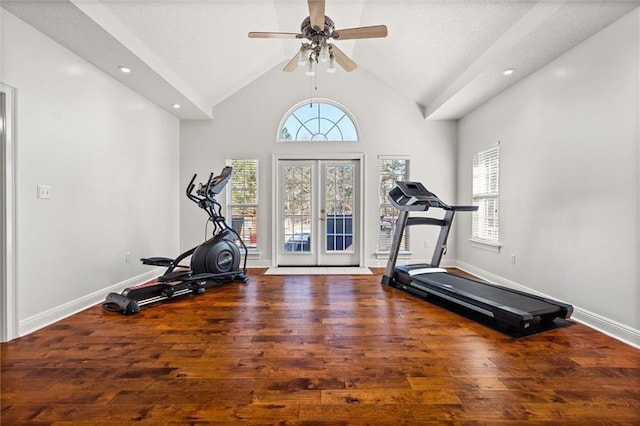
(297, 208)
(339, 201)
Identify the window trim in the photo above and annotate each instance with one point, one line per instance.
(493, 245)
(253, 252)
(404, 252)
(319, 101)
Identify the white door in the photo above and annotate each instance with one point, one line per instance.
(318, 217)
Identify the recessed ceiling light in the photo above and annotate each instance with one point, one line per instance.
(176, 106)
(125, 70)
(509, 71)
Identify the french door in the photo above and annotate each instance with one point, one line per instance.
(318, 213)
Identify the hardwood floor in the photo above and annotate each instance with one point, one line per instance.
(311, 350)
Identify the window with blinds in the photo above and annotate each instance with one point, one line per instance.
(391, 169)
(242, 201)
(486, 195)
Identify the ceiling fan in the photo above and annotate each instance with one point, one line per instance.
(317, 29)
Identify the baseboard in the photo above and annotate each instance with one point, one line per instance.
(618, 331)
(258, 263)
(611, 328)
(41, 320)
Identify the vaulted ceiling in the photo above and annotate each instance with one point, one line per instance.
(446, 56)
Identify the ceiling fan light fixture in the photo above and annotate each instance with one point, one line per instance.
(509, 71)
(331, 69)
(311, 69)
(324, 53)
(302, 58)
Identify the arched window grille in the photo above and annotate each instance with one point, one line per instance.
(318, 121)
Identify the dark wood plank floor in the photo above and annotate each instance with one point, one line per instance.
(312, 350)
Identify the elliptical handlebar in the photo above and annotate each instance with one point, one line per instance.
(190, 188)
(207, 188)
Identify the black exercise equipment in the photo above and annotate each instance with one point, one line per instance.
(215, 261)
(508, 307)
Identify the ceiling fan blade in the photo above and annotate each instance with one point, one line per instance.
(274, 35)
(375, 31)
(292, 64)
(342, 59)
(316, 13)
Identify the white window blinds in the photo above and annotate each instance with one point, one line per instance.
(243, 201)
(486, 195)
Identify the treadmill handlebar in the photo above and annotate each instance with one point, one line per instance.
(413, 196)
(465, 208)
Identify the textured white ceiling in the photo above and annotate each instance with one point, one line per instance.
(446, 56)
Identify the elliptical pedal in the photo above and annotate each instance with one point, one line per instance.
(175, 276)
(157, 261)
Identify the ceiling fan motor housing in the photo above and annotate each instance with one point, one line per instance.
(309, 32)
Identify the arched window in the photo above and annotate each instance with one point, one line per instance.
(318, 121)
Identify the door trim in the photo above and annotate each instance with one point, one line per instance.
(8, 288)
(275, 179)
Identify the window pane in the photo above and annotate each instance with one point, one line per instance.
(486, 219)
(339, 207)
(244, 182)
(297, 208)
(391, 170)
(244, 222)
(318, 121)
(486, 190)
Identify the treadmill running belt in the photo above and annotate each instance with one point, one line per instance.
(484, 293)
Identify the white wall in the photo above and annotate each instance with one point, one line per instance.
(245, 126)
(111, 158)
(569, 178)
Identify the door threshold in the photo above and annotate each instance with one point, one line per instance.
(318, 270)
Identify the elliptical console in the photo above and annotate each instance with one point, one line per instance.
(215, 261)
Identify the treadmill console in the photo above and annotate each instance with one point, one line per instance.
(413, 196)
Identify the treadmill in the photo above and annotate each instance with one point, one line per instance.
(510, 308)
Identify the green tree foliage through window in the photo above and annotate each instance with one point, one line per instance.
(285, 135)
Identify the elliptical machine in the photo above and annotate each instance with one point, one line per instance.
(215, 261)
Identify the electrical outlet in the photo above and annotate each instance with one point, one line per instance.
(127, 257)
(44, 192)
(513, 259)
